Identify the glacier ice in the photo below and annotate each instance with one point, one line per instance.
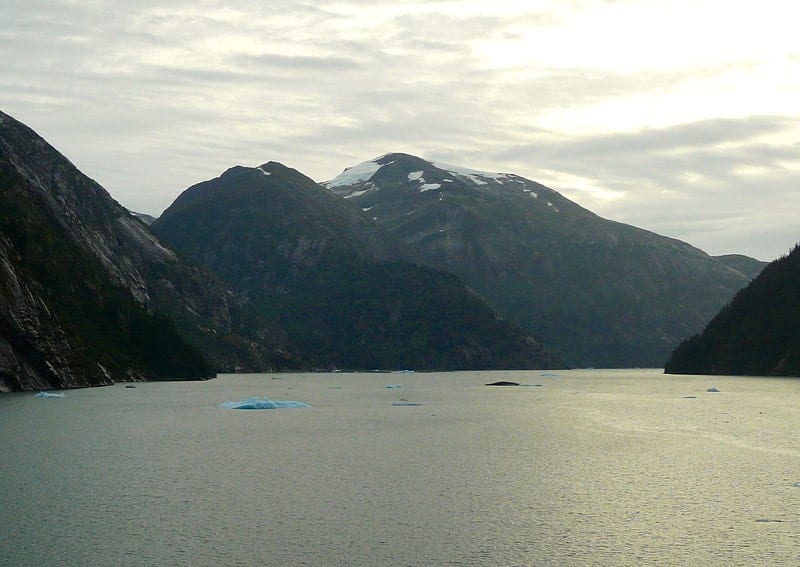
(265, 403)
(49, 395)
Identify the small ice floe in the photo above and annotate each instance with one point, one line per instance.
(548, 375)
(49, 395)
(712, 390)
(261, 404)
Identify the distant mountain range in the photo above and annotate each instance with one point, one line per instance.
(397, 263)
(757, 334)
(600, 293)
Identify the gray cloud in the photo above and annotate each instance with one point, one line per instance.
(149, 98)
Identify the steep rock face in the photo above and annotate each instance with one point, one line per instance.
(325, 272)
(35, 351)
(757, 334)
(604, 293)
(54, 215)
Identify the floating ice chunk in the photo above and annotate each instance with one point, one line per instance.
(266, 403)
(712, 390)
(49, 395)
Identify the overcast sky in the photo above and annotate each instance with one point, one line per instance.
(681, 117)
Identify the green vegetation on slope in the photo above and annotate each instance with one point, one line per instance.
(757, 334)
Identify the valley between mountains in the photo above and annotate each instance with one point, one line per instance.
(398, 263)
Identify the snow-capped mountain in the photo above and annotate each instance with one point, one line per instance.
(604, 293)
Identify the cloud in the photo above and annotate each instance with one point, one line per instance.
(151, 97)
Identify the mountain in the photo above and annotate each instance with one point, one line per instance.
(89, 296)
(328, 275)
(758, 333)
(606, 294)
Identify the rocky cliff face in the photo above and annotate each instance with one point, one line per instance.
(70, 252)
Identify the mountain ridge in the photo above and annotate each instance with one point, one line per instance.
(602, 289)
(326, 272)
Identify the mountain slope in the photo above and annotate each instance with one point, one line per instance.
(758, 333)
(89, 295)
(325, 273)
(604, 293)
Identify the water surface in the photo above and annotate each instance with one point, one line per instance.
(572, 468)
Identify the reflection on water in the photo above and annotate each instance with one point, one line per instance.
(587, 467)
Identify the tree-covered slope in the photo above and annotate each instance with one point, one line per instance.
(758, 333)
(326, 273)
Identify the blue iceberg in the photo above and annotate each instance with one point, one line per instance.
(49, 395)
(266, 403)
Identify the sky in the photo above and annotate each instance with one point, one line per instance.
(680, 117)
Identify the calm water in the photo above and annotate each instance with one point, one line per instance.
(589, 468)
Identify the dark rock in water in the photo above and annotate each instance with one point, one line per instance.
(130, 386)
(689, 397)
(503, 383)
(712, 390)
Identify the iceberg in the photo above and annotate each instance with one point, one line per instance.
(49, 395)
(256, 403)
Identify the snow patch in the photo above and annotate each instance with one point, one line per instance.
(357, 174)
(429, 186)
(355, 194)
(415, 175)
(474, 175)
(264, 171)
(366, 209)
